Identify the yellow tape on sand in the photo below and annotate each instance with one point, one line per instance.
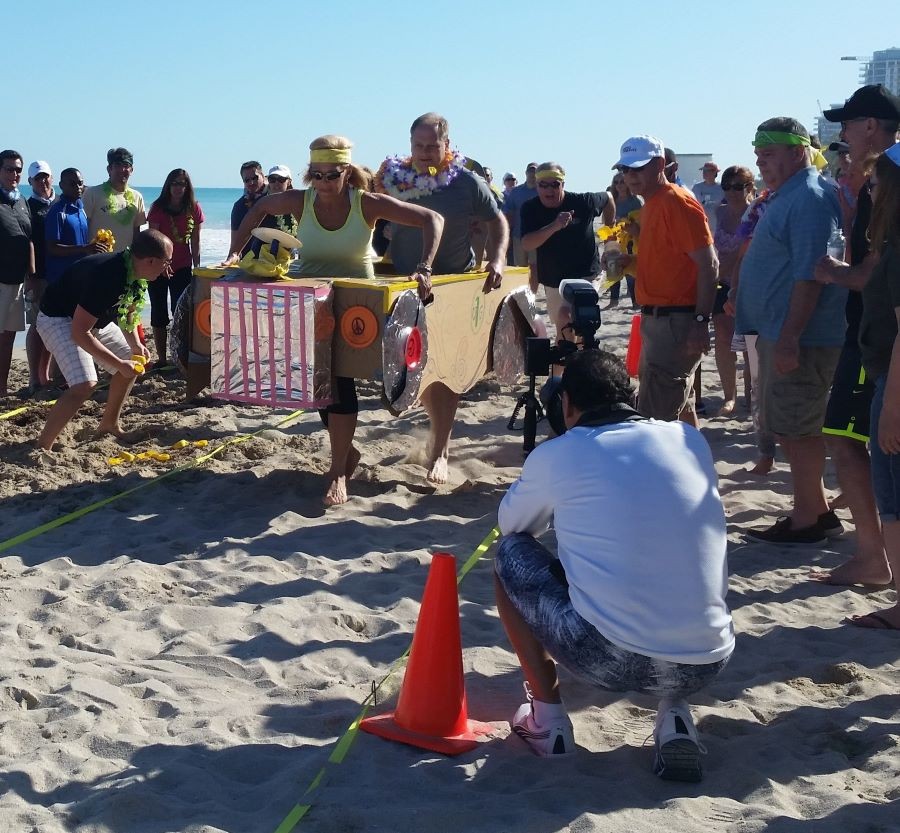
(345, 741)
(93, 507)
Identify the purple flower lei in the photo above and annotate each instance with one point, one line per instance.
(400, 180)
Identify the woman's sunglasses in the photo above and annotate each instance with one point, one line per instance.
(736, 186)
(328, 176)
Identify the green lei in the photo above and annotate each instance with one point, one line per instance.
(287, 223)
(123, 216)
(189, 230)
(131, 301)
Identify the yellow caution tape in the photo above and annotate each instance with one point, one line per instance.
(93, 507)
(345, 741)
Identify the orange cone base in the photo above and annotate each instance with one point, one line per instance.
(384, 726)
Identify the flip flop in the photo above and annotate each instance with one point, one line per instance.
(884, 623)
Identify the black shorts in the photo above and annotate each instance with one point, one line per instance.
(721, 297)
(850, 402)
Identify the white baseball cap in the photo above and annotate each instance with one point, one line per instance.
(638, 151)
(280, 170)
(39, 167)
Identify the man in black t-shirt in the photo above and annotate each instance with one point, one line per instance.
(869, 122)
(560, 227)
(82, 318)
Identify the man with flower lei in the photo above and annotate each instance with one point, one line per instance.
(91, 315)
(113, 205)
(433, 176)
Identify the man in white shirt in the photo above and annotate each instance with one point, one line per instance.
(709, 192)
(636, 599)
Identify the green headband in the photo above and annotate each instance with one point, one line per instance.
(764, 138)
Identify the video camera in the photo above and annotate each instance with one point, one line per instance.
(582, 299)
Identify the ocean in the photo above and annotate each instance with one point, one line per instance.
(215, 234)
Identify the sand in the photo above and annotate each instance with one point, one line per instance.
(185, 657)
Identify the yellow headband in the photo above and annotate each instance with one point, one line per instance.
(550, 174)
(339, 156)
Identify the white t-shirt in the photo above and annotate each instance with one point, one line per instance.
(122, 222)
(641, 534)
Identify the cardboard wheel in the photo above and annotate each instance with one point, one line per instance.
(514, 323)
(404, 352)
(180, 333)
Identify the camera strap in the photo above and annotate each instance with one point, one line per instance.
(608, 415)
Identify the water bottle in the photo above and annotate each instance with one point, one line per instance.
(836, 245)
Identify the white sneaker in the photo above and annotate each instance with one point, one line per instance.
(678, 747)
(551, 741)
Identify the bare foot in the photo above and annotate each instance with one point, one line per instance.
(838, 502)
(885, 620)
(336, 493)
(763, 466)
(121, 435)
(440, 471)
(353, 457)
(853, 572)
(727, 408)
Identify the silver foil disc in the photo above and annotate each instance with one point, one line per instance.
(402, 382)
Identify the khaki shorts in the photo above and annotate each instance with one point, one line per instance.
(667, 367)
(12, 308)
(793, 404)
(522, 257)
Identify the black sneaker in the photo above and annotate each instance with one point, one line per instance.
(784, 534)
(831, 524)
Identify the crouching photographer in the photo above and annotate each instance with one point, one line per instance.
(636, 598)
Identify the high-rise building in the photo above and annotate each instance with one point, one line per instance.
(882, 68)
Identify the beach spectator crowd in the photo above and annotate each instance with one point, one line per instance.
(796, 272)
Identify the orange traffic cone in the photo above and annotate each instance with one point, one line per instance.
(633, 356)
(431, 710)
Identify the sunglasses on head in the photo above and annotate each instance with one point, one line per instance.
(736, 186)
(555, 184)
(328, 176)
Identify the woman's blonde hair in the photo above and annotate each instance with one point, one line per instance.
(357, 177)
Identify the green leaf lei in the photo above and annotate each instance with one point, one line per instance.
(131, 301)
(189, 229)
(125, 215)
(287, 223)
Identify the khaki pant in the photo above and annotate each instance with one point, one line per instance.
(667, 367)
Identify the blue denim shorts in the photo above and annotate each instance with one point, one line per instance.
(885, 467)
(536, 585)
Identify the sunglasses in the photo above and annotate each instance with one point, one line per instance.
(624, 169)
(179, 183)
(555, 184)
(277, 179)
(328, 176)
(11, 170)
(736, 186)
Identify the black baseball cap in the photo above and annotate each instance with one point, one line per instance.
(874, 101)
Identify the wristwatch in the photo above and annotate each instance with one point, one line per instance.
(423, 269)
(700, 318)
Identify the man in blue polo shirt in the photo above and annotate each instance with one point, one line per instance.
(66, 227)
(800, 323)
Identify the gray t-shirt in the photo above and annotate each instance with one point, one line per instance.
(465, 199)
(709, 196)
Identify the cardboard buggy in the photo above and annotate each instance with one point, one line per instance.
(280, 343)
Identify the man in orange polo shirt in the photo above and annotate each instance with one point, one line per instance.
(677, 271)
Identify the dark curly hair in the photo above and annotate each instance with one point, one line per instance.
(594, 379)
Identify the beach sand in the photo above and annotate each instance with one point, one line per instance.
(185, 657)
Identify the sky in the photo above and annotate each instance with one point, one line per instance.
(207, 85)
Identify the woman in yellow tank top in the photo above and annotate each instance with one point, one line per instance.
(336, 216)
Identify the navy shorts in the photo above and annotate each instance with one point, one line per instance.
(885, 467)
(850, 402)
(536, 585)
